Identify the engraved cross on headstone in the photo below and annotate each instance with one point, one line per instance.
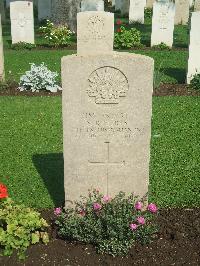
(107, 162)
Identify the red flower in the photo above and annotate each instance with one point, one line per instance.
(82, 213)
(3, 191)
(118, 22)
(119, 30)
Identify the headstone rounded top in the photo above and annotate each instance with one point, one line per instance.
(124, 56)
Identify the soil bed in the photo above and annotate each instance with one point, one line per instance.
(73, 47)
(177, 243)
(163, 90)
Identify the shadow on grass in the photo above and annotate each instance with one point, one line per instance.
(178, 74)
(51, 169)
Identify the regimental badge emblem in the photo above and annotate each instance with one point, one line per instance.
(107, 85)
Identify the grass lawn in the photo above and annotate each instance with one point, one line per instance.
(31, 150)
(172, 64)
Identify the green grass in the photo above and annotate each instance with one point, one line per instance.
(172, 64)
(31, 150)
(17, 62)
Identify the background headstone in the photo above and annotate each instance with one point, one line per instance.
(197, 5)
(191, 3)
(95, 32)
(1, 54)
(149, 3)
(64, 12)
(182, 12)
(136, 11)
(125, 7)
(92, 5)
(44, 9)
(107, 101)
(22, 21)
(163, 23)
(194, 47)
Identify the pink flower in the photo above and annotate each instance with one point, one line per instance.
(106, 198)
(96, 206)
(138, 205)
(152, 208)
(57, 211)
(133, 227)
(141, 220)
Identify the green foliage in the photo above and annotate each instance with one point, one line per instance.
(148, 12)
(23, 46)
(19, 228)
(158, 77)
(56, 35)
(108, 226)
(161, 46)
(195, 82)
(127, 38)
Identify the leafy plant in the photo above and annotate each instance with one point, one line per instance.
(23, 46)
(127, 38)
(148, 12)
(112, 225)
(195, 82)
(158, 77)
(19, 226)
(39, 78)
(56, 35)
(161, 46)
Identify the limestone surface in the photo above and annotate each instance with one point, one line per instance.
(182, 12)
(95, 32)
(194, 47)
(163, 23)
(22, 21)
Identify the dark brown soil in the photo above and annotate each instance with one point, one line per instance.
(163, 90)
(175, 90)
(177, 243)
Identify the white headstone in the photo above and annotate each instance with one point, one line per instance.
(149, 3)
(92, 5)
(106, 101)
(136, 11)
(191, 3)
(194, 48)
(44, 9)
(182, 12)
(197, 5)
(163, 23)
(95, 32)
(1, 54)
(22, 22)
